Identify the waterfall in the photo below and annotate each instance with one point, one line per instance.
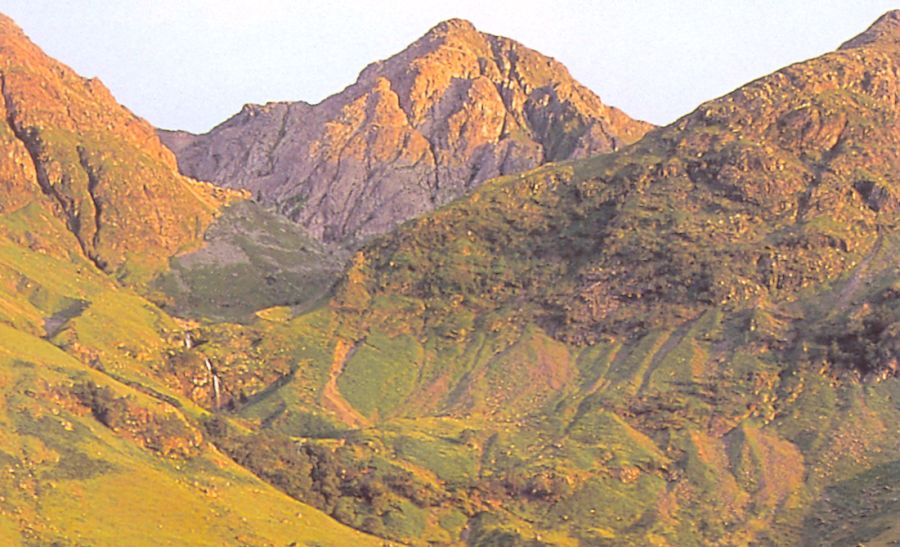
(216, 389)
(188, 341)
(215, 380)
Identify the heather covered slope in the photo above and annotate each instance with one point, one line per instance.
(455, 108)
(759, 200)
(691, 340)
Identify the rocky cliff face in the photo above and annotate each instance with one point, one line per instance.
(454, 109)
(73, 150)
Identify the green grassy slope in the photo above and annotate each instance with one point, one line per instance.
(101, 442)
(266, 260)
(130, 465)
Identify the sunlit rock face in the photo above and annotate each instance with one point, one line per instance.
(69, 147)
(456, 108)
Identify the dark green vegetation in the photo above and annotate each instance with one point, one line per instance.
(348, 480)
(691, 341)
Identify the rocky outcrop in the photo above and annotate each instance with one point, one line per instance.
(454, 109)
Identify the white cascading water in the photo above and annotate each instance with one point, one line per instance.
(215, 380)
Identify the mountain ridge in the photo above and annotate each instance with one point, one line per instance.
(885, 29)
(92, 162)
(690, 340)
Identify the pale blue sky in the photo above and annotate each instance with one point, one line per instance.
(190, 64)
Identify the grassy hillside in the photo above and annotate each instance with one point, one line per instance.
(100, 442)
(96, 446)
(264, 259)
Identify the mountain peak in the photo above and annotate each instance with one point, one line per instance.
(10, 31)
(7, 24)
(885, 30)
(454, 25)
(452, 110)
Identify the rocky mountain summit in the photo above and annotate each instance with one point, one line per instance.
(455, 108)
